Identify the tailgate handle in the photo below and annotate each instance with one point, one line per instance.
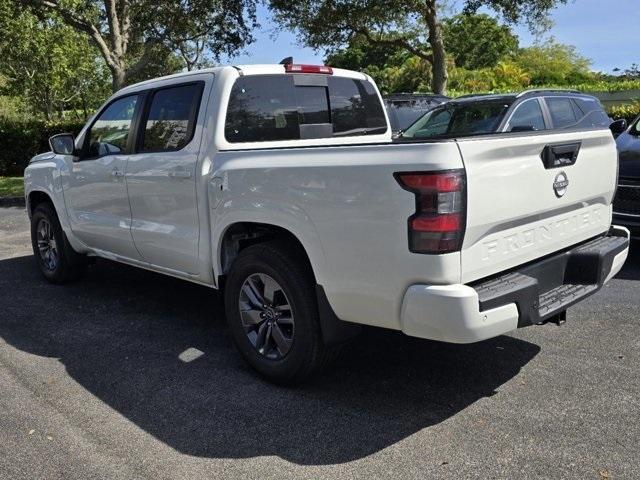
(560, 155)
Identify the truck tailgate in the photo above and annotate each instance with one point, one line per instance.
(531, 195)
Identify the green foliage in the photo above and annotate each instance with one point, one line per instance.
(392, 68)
(506, 76)
(22, 139)
(628, 111)
(412, 26)
(554, 63)
(11, 187)
(131, 36)
(47, 64)
(477, 41)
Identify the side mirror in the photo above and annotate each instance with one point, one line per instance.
(523, 128)
(63, 144)
(618, 127)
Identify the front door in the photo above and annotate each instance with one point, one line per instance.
(96, 193)
(161, 179)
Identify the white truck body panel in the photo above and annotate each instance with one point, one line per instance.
(513, 214)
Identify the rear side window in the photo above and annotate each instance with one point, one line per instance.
(171, 118)
(593, 115)
(528, 115)
(563, 112)
(266, 108)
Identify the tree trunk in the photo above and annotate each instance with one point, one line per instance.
(439, 75)
(118, 76)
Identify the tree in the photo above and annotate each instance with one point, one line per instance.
(393, 68)
(47, 64)
(413, 25)
(477, 41)
(553, 63)
(129, 33)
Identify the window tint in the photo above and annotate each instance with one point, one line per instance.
(527, 115)
(354, 106)
(170, 122)
(562, 112)
(592, 112)
(464, 118)
(433, 124)
(403, 114)
(312, 104)
(271, 107)
(262, 108)
(110, 132)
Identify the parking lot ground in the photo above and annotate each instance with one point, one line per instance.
(95, 383)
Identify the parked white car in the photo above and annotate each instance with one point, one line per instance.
(280, 184)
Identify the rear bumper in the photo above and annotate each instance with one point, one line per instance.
(527, 295)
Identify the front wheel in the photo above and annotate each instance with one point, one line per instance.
(272, 312)
(58, 262)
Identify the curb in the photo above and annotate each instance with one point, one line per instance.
(12, 202)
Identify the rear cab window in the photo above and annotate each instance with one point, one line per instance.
(267, 108)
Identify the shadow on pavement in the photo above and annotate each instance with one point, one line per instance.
(120, 330)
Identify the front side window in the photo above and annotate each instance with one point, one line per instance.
(528, 116)
(563, 112)
(266, 108)
(110, 132)
(460, 119)
(171, 119)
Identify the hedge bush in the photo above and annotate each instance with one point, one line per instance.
(22, 139)
(628, 111)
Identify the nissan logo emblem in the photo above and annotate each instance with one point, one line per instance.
(560, 184)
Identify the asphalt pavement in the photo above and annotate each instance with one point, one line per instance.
(128, 374)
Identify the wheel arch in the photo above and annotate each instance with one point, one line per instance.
(35, 198)
(241, 234)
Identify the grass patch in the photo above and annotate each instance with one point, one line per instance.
(11, 187)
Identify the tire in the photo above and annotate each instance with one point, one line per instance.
(56, 259)
(282, 344)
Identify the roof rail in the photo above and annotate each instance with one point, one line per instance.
(548, 90)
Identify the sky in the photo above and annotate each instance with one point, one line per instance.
(605, 31)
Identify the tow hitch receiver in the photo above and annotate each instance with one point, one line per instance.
(559, 319)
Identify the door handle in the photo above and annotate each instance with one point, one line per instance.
(560, 155)
(116, 173)
(180, 174)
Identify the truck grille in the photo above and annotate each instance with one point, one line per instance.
(627, 198)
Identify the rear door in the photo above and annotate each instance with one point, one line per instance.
(534, 194)
(161, 177)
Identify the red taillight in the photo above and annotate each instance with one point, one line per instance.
(298, 68)
(438, 224)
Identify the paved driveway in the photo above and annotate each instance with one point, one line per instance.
(92, 385)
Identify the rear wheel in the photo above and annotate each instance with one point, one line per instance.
(272, 312)
(57, 260)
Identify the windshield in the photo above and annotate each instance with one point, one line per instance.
(457, 119)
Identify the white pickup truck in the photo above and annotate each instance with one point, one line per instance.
(281, 185)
